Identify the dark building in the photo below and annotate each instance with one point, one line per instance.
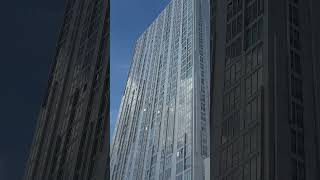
(265, 83)
(71, 140)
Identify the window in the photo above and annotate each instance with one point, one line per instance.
(253, 141)
(226, 103)
(152, 171)
(301, 171)
(253, 168)
(296, 62)
(187, 163)
(224, 161)
(293, 169)
(293, 15)
(234, 125)
(228, 32)
(293, 113)
(235, 153)
(168, 173)
(239, 23)
(246, 144)
(254, 33)
(234, 27)
(248, 38)
(224, 133)
(229, 10)
(260, 6)
(254, 9)
(248, 15)
(260, 78)
(300, 144)
(232, 100)
(179, 167)
(254, 58)
(254, 82)
(299, 116)
(296, 88)
(179, 177)
(249, 62)
(229, 157)
(227, 78)
(258, 168)
(187, 175)
(180, 154)
(237, 97)
(293, 141)
(248, 114)
(234, 49)
(233, 72)
(238, 70)
(248, 86)
(254, 109)
(246, 171)
(294, 38)
(260, 29)
(239, 5)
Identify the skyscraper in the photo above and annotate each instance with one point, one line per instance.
(162, 129)
(265, 96)
(71, 139)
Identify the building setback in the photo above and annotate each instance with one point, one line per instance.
(71, 139)
(162, 129)
(265, 92)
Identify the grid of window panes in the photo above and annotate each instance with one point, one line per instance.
(183, 152)
(153, 137)
(241, 126)
(203, 91)
(296, 83)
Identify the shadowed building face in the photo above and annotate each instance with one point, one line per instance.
(71, 138)
(265, 103)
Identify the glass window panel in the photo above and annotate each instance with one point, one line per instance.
(253, 168)
(301, 144)
(246, 171)
(293, 141)
(253, 141)
(248, 86)
(254, 109)
(260, 78)
(179, 167)
(254, 82)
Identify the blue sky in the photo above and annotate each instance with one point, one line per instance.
(128, 18)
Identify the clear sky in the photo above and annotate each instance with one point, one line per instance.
(129, 18)
(29, 32)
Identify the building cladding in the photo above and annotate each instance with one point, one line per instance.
(265, 93)
(71, 139)
(162, 128)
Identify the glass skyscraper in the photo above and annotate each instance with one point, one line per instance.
(265, 116)
(70, 139)
(162, 128)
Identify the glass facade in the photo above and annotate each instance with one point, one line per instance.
(162, 129)
(240, 143)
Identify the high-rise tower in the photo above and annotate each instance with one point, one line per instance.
(71, 139)
(162, 130)
(265, 100)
